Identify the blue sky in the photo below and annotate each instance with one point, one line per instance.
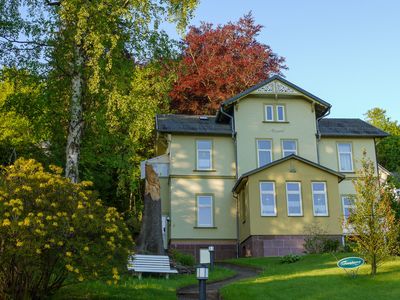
(345, 52)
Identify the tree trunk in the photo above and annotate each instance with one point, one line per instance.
(76, 123)
(373, 265)
(150, 237)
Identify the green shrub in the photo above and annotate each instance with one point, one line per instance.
(52, 229)
(330, 245)
(289, 259)
(182, 258)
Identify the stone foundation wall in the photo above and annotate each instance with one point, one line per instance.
(275, 245)
(223, 249)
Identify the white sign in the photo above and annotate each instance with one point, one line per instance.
(204, 256)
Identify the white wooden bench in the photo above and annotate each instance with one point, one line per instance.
(141, 263)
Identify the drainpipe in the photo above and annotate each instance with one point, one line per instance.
(318, 132)
(237, 175)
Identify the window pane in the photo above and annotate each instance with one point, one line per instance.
(293, 199)
(205, 217)
(267, 186)
(264, 144)
(318, 186)
(344, 147)
(292, 186)
(289, 145)
(345, 162)
(268, 204)
(294, 209)
(204, 159)
(204, 145)
(264, 158)
(347, 201)
(204, 200)
(320, 204)
(268, 113)
(280, 113)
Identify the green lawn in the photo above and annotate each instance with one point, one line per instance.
(315, 277)
(132, 288)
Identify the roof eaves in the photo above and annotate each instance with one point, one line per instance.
(277, 77)
(276, 162)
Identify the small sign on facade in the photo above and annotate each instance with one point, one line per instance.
(205, 256)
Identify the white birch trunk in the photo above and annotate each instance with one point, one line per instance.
(76, 122)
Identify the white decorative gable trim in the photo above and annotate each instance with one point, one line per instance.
(276, 87)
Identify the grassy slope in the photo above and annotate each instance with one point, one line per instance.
(132, 288)
(315, 277)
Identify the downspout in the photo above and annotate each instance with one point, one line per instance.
(319, 132)
(237, 175)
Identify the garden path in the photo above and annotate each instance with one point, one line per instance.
(192, 291)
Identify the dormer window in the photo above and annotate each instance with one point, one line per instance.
(274, 113)
(269, 113)
(280, 113)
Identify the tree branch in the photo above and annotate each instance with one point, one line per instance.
(41, 44)
(53, 3)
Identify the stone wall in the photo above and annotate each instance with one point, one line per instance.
(274, 245)
(223, 249)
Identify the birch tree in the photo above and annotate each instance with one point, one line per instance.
(82, 42)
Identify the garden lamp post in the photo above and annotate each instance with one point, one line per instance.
(202, 276)
(212, 256)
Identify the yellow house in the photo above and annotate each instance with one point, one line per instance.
(249, 179)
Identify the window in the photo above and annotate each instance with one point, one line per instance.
(345, 157)
(269, 112)
(267, 198)
(319, 198)
(348, 206)
(280, 113)
(204, 155)
(289, 147)
(204, 211)
(264, 152)
(293, 196)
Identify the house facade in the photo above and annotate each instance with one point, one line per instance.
(250, 179)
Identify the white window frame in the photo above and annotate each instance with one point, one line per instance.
(283, 149)
(267, 193)
(292, 193)
(351, 156)
(283, 113)
(259, 151)
(210, 206)
(324, 192)
(204, 150)
(266, 106)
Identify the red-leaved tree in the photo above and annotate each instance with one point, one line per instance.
(218, 63)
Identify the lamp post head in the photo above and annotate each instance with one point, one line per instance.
(202, 272)
(211, 248)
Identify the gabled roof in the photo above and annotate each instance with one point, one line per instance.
(190, 124)
(271, 79)
(279, 161)
(330, 127)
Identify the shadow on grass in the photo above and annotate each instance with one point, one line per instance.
(316, 277)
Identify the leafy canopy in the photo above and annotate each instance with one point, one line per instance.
(218, 63)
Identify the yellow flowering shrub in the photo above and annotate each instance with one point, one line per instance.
(52, 229)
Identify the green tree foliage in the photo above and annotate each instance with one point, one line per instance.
(51, 229)
(23, 125)
(387, 148)
(113, 48)
(372, 221)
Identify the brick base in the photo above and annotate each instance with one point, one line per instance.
(275, 245)
(223, 249)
